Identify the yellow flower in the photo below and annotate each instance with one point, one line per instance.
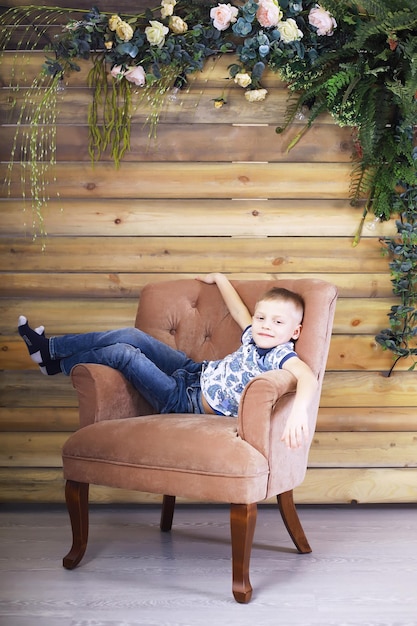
(219, 102)
(114, 22)
(177, 25)
(124, 31)
(108, 45)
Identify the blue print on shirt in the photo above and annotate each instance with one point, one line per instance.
(223, 381)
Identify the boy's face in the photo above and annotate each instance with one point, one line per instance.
(275, 322)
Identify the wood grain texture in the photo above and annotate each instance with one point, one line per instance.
(217, 217)
(192, 180)
(216, 190)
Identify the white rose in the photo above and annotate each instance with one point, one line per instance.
(167, 8)
(243, 80)
(155, 33)
(255, 95)
(322, 20)
(289, 31)
(223, 15)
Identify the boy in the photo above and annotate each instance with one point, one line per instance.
(173, 383)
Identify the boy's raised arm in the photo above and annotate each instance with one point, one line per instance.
(233, 301)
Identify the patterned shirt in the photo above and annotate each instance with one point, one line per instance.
(223, 381)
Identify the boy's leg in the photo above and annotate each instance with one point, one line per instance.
(163, 356)
(164, 392)
(45, 351)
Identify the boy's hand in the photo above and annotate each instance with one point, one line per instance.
(296, 431)
(210, 279)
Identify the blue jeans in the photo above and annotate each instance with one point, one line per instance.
(167, 378)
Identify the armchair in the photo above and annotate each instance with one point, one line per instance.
(241, 461)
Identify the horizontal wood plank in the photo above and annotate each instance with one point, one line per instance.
(193, 180)
(343, 449)
(370, 449)
(194, 105)
(194, 142)
(321, 486)
(169, 254)
(367, 419)
(348, 389)
(94, 314)
(134, 217)
(361, 486)
(333, 419)
(370, 389)
(118, 285)
(33, 419)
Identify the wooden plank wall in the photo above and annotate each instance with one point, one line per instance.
(215, 191)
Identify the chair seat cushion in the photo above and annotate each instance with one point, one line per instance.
(193, 456)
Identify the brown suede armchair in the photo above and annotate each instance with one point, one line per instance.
(241, 461)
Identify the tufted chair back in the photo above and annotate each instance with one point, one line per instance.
(191, 316)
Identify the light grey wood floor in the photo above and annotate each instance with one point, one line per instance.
(362, 571)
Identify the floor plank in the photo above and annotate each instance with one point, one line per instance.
(362, 571)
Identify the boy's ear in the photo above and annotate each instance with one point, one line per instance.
(297, 332)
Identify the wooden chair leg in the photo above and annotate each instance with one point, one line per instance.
(242, 525)
(167, 513)
(292, 522)
(76, 496)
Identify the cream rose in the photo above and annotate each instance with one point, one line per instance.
(167, 8)
(268, 13)
(322, 20)
(124, 31)
(155, 33)
(243, 80)
(289, 31)
(223, 15)
(114, 22)
(255, 95)
(177, 25)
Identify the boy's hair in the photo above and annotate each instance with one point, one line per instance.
(280, 293)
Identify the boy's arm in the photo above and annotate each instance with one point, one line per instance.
(296, 429)
(233, 301)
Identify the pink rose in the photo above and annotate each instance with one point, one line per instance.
(268, 13)
(223, 15)
(136, 75)
(116, 71)
(322, 20)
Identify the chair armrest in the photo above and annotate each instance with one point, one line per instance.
(105, 394)
(258, 404)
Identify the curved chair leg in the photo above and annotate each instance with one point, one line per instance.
(167, 513)
(242, 525)
(76, 496)
(292, 522)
